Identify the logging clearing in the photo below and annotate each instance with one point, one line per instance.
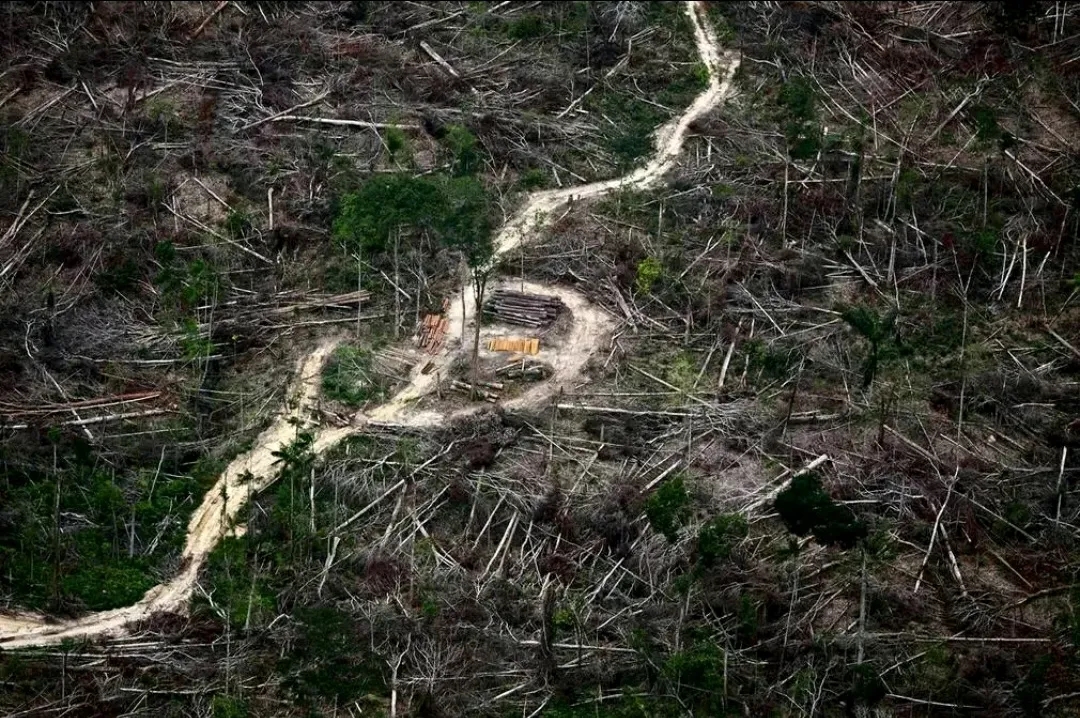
(569, 359)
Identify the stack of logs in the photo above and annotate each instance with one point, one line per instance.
(529, 310)
(486, 390)
(393, 364)
(432, 331)
(525, 369)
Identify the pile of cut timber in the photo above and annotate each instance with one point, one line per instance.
(486, 390)
(526, 369)
(393, 364)
(432, 332)
(530, 310)
(510, 344)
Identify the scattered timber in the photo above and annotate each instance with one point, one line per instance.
(394, 364)
(525, 369)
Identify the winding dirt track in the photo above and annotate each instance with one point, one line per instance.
(254, 470)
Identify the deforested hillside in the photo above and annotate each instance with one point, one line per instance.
(544, 359)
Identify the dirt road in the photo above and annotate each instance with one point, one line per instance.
(590, 332)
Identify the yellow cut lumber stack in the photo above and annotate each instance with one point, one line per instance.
(510, 344)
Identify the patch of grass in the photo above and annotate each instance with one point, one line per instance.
(649, 270)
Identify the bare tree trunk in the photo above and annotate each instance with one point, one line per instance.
(359, 284)
(397, 284)
(479, 285)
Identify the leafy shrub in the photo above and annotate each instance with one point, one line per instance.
(682, 373)
(668, 507)
(806, 508)
(798, 103)
(718, 538)
(396, 141)
(648, 271)
(527, 28)
(237, 224)
(748, 619)
(533, 178)
(465, 160)
(194, 345)
(348, 378)
(699, 674)
(772, 361)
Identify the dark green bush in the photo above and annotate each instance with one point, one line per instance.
(668, 507)
(718, 538)
(806, 508)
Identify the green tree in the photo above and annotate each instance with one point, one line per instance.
(878, 331)
(461, 143)
(374, 217)
(466, 227)
(370, 218)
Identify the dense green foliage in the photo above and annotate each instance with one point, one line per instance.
(87, 535)
(455, 208)
(668, 507)
(348, 377)
(806, 508)
(798, 110)
(719, 536)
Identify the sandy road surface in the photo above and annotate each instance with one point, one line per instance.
(254, 470)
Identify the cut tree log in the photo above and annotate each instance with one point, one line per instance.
(531, 310)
